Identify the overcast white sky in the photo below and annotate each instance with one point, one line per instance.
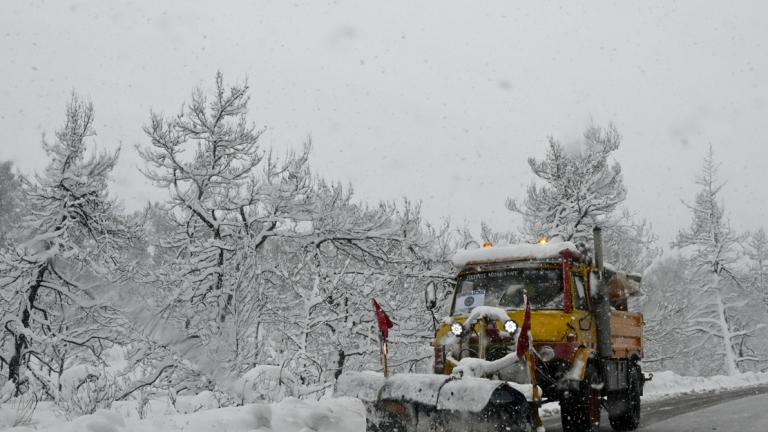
(441, 102)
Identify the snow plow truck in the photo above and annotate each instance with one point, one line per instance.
(585, 347)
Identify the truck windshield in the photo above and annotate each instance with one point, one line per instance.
(505, 289)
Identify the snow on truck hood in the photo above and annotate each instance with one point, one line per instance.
(516, 252)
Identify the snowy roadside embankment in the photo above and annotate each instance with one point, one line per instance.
(293, 415)
(669, 384)
(290, 415)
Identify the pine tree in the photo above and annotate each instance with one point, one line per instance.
(757, 251)
(55, 279)
(10, 205)
(711, 237)
(719, 296)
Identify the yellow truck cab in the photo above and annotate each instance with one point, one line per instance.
(587, 344)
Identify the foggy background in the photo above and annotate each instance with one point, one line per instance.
(436, 101)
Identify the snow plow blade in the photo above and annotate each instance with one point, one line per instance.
(420, 402)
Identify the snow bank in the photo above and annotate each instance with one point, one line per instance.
(665, 384)
(205, 400)
(262, 384)
(363, 385)
(290, 415)
(513, 253)
(343, 414)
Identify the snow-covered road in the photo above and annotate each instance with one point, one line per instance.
(743, 410)
(744, 415)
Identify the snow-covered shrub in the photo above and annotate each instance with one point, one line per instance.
(25, 407)
(6, 391)
(86, 389)
(17, 411)
(142, 404)
(172, 398)
(264, 383)
(205, 400)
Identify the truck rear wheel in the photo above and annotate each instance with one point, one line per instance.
(580, 410)
(624, 406)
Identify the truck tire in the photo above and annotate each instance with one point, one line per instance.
(624, 406)
(580, 409)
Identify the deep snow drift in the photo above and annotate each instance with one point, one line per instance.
(291, 415)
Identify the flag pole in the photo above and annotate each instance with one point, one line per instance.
(531, 360)
(384, 350)
(526, 351)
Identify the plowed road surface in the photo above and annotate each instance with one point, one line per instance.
(743, 410)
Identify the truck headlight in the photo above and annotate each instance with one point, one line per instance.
(546, 353)
(457, 329)
(510, 326)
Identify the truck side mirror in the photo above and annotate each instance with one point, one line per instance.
(430, 295)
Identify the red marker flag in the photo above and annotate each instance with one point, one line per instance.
(384, 322)
(524, 339)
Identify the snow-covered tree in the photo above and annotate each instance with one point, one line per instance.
(55, 280)
(629, 244)
(757, 251)
(663, 303)
(330, 272)
(10, 189)
(227, 198)
(717, 298)
(272, 268)
(488, 235)
(709, 236)
(581, 188)
(224, 189)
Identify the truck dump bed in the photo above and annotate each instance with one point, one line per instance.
(627, 334)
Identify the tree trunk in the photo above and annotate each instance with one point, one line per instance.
(20, 342)
(340, 364)
(730, 356)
